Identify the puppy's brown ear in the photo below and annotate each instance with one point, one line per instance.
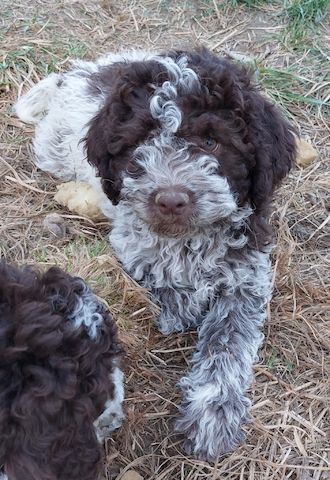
(122, 124)
(100, 154)
(275, 146)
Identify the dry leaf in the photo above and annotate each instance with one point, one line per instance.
(80, 198)
(131, 475)
(306, 153)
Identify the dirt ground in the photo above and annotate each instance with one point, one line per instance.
(289, 435)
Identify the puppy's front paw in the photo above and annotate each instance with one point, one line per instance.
(111, 419)
(212, 428)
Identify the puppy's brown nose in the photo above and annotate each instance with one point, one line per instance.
(172, 201)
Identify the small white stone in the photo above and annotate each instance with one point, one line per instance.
(54, 223)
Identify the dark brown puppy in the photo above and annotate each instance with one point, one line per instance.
(59, 372)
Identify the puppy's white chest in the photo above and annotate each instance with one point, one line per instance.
(160, 262)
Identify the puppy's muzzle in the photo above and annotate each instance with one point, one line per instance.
(172, 201)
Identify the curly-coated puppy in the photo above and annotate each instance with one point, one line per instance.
(61, 387)
(190, 152)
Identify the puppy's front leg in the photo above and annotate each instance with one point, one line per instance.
(214, 392)
(113, 415)
(180, 309)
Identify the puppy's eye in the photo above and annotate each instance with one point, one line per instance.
(209, 144)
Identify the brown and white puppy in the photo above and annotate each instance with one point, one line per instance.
(61, 387)
(190, 152)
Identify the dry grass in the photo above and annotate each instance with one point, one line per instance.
(289, 437)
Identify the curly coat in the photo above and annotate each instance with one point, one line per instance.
(55, 375)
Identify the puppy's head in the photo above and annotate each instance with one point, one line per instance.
(186, 140)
